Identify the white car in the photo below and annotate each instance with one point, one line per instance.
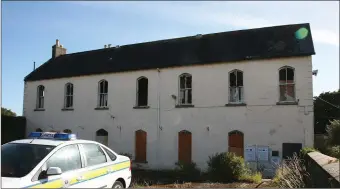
(60, 160)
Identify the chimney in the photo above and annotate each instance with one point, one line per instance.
(58, 50)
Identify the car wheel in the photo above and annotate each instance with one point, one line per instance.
(117, 184)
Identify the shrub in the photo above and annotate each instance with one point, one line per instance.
(304, 151)
(251, 177)
(126, 154)
(292, 174)
(188, 171)
(334, 151)
(333, 131)
(225, 167)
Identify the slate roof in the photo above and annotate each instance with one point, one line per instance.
(260, 43)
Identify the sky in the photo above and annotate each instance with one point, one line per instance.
(29, 29)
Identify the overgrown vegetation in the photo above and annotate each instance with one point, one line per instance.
(304, 151)
(227, 167)
(292, 174)
(126, 154)
(7, 112)
(188, 171)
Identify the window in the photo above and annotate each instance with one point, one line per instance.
(68, 95)
(39, 130)
(40, 97)
(185, 89)
(94, 154)
(142, 91)
(102, 93)
(13, 154)
(236, 86)
(110, 154)
(67, 159)
(286, 84)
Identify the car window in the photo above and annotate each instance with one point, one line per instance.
(110, 154)
(94, 154)
(17, 160)
(66, 158)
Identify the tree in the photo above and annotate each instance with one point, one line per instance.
(7, 112)
(326, 109)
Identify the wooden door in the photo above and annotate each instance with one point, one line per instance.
(184, 146)
(140, 146)
(235, 143)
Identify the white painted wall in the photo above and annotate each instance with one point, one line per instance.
(262, 121)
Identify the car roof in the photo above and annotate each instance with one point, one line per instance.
(50, 142)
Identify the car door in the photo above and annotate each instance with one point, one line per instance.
(96, 166)
(68, 159)
(113, 175)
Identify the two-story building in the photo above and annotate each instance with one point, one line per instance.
(181, 99)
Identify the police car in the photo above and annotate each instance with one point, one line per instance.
(60, 160)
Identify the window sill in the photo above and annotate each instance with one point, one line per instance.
(144, 162)
(101, 108)
(39, 110)
(235, 104)
(287, 103)
(67, 109)
(184, 106)
(141, 107)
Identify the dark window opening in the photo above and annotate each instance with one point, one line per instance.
(39, 130)
(103, 93)
(102, 132)
(185, 91)
(69, 95)
(236, 89)
(142, 92)
(40, 97)
(67, 131)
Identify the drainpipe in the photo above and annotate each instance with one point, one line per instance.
(158, 112)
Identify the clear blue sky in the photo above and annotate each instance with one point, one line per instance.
(29, 29)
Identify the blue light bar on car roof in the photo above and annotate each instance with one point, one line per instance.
(52, 135)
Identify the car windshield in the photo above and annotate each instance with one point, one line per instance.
(17, 160)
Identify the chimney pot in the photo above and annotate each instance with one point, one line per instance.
(105, 46)
(57, 42)
(109, 45)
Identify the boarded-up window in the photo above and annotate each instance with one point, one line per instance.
(102, 136)
(184, 146)
(235, 142)
(142, 91)
(140, 146)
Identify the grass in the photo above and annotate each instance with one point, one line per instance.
(252, 177)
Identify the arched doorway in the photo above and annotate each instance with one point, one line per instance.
(141, 137)
(102, 136)
(236, 142)
(184, 146)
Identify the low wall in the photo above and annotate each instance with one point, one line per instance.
(323, 170)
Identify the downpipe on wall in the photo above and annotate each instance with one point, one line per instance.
(158, 113)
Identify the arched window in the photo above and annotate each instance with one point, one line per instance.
(287, 84)
(140, 145)
(236, 93)
(40, 97)
(142, 91)
(39, 130)
(102, 136)
(236, 142)
(102, 93)
(67, 131)
(184, 146)
(185, 89)
(68, 103)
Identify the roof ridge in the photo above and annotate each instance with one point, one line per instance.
(185, 37)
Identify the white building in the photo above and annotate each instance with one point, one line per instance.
(182, 99)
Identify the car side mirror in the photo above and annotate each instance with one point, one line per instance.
(53, 171)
